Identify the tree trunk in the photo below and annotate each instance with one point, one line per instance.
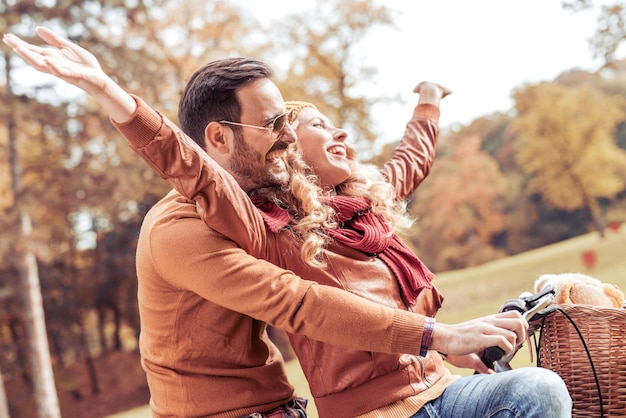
(595, 211)
(4, 404)
(35, 325)
(117, 337)
(89, 363)
(16, 327)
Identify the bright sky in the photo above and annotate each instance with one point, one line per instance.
(481, 49)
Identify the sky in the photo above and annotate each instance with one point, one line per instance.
(481, 49)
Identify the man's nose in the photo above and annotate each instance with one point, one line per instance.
(289, 134)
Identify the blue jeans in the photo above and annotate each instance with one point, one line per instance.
(521, 393)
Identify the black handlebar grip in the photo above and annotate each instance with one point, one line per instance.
(491, 355)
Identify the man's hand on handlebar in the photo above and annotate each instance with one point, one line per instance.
(506, 330)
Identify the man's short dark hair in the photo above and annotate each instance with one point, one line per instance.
(211, 93)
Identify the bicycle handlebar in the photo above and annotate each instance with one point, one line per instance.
(531, 307)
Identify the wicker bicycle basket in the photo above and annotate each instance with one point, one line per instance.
(586, 346)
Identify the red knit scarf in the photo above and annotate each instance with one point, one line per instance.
(362, 230)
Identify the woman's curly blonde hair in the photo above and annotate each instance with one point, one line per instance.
(308, 202)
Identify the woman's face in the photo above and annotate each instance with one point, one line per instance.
(323, 147)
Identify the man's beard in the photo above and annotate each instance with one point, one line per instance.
(248, 166)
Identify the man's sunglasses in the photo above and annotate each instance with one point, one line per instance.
(276, 125)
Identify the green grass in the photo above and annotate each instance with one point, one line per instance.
(481, 290)
(139, 412)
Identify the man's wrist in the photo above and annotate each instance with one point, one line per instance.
(427, 335)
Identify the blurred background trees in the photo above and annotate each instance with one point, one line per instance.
(565, 146)
(322, 66)
(552, 168)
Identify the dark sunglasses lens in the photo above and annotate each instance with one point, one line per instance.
(279, 123)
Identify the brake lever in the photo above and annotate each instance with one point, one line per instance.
(537, 303)
(536, 311)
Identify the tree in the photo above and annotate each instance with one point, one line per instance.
(566, 147)
(322, 66)
(459, 208)
(4, 405)
(43, 376)
(611, 30)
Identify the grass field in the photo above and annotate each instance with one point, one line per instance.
(481, 290)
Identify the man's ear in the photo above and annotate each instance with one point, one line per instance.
(218, 138)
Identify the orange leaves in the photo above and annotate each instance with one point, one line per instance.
(460, 207)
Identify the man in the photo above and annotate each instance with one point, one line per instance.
(204, 302)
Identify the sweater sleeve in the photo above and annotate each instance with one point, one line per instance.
(411, 161)
(222, 204)
(191, 256)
